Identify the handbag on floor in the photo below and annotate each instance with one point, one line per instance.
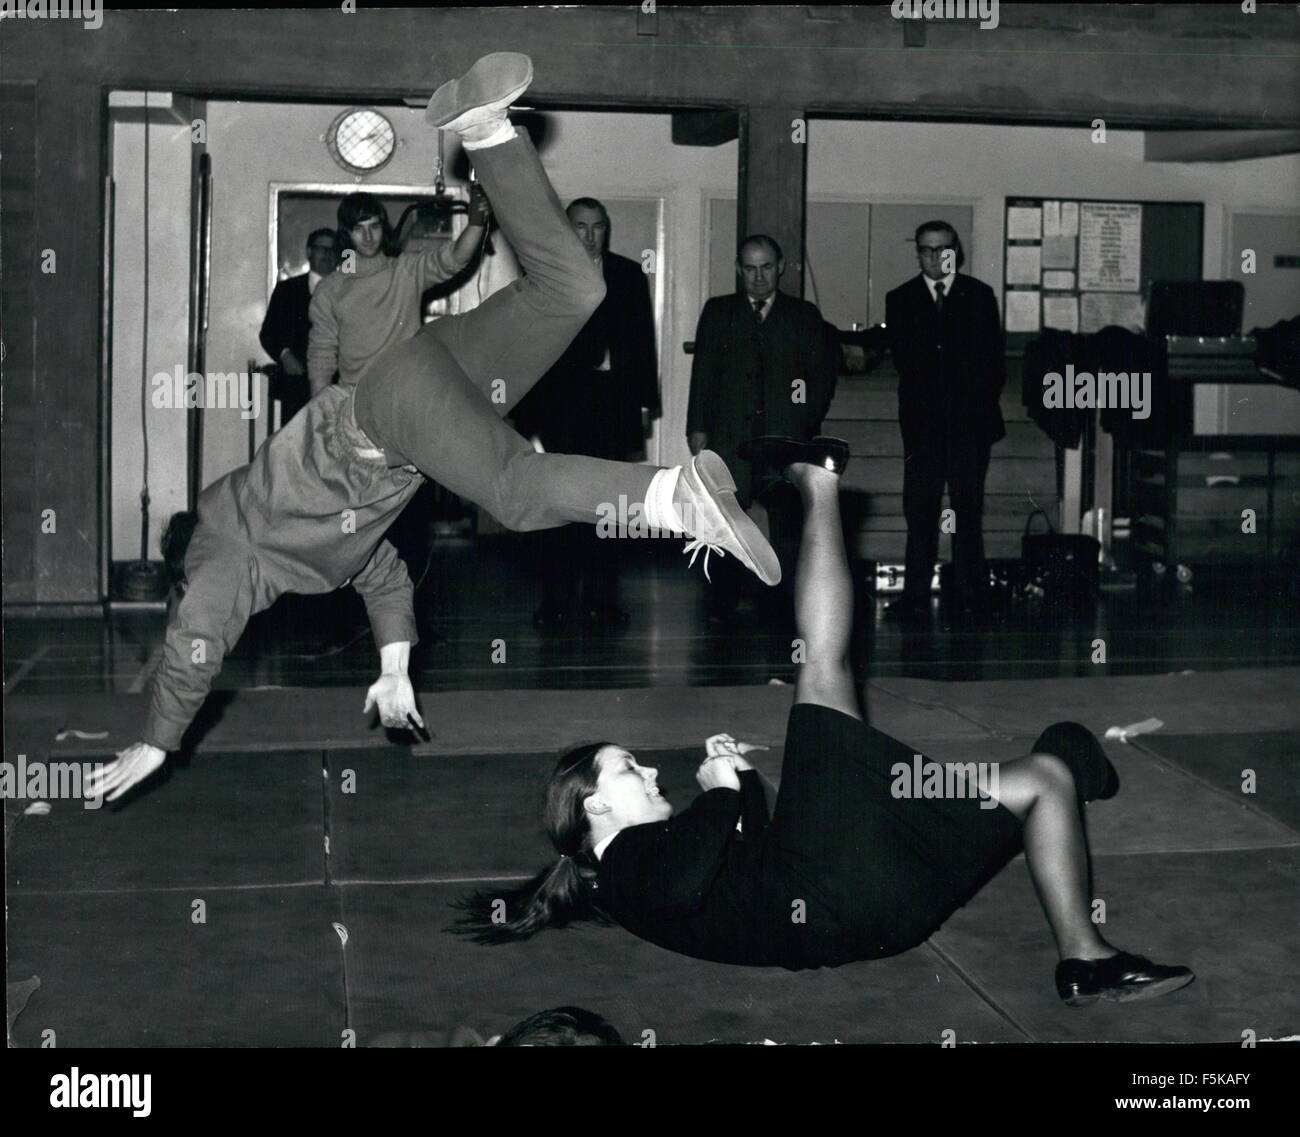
(1064, 568)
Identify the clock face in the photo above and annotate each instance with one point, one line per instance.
(361, 140)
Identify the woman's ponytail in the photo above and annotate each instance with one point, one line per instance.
(565, 891)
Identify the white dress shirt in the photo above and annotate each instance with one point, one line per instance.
(946, 282)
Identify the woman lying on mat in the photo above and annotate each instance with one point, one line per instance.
(859, 860)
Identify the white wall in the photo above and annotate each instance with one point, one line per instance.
(169, 274)
(892, 161)
(983, 165)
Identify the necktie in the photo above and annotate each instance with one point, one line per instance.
(758, 309)
(938, 297)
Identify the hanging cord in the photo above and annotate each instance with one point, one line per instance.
(481, 257)
(144, 353)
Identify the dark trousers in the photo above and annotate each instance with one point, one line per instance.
(925, 471)
(436, 401)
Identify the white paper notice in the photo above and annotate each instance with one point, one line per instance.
(1022, 310)
(1069, 218)
(1051, 219)
(1024, 223)
(1023, 264)
(1110, 247)
(1102, 309)
(1055, 280)
(1061, 312)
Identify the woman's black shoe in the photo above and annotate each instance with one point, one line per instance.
(778, 452)
(1122, 978)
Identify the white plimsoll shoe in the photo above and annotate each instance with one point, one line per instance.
(482, 93)
(713, 517)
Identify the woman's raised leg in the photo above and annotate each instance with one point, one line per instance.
(823, 595)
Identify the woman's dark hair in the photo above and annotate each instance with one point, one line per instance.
(359, 207)
(175, 541)
(565, 891)
(564, 1026)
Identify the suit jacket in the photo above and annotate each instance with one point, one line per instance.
(576, 409)
(287, 323)
(742, 367)
(951, 367)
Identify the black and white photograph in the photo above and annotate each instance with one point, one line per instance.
(759, 533)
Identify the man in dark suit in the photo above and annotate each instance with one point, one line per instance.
(286, 327)
(947, 344)
(598, 400)
(763, 365)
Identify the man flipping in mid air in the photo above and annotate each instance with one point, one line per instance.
(309, 513)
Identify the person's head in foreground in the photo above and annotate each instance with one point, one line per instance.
(563, 1026)
(595, 791)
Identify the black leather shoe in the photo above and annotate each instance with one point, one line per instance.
(778, 452)
(1122, 978)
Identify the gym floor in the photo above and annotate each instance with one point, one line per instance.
(287, 880)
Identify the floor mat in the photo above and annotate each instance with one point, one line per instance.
(225, 819)
(405, 973)
(1230, 917)
(1223, 759)
(135, 969)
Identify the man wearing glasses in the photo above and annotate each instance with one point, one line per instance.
(947, 345)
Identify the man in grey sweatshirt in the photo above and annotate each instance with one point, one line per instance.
(309, 513)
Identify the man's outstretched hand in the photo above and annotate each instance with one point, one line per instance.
(130, 767)
(395, 698)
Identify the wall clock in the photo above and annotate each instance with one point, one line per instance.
(361, 140)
